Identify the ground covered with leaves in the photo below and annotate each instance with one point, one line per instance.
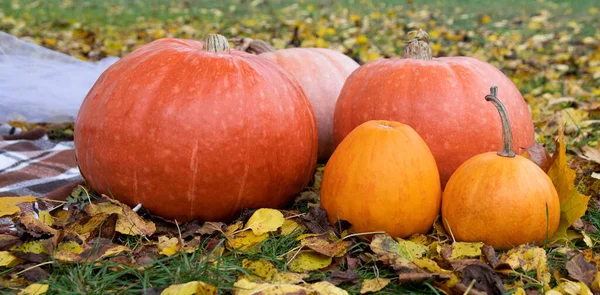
(92, 244)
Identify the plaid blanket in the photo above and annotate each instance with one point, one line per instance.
(36, 167)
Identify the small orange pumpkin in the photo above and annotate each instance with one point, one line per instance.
(501, 199)
(382, 177)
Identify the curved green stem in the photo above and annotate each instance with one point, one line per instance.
(507, 138)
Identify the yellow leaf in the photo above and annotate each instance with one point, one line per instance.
(289, 226)
(261, 268)
(70, 246)
(130, 223)
(373, 285)
(328, 288)
(245, 287)
(8, 205)
(9, 260)
(572, 288)
(36, 247)
(46, 218)
(265, 220)
(572, 204)
(35, 289)
(246, 240)
(289, 278)
(520, 291)
(362, 39)
(430, 266)
(191, 288)
(596, 282)
(168, 246)
(309, 260)
(463, 249)
(88, 224)
(528, 259)
(411, 250)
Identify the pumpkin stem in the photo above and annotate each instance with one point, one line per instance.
(216, 43)
(507, 137)
(251, 46)
(417, 47)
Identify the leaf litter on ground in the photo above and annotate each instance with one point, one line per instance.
(95, 244)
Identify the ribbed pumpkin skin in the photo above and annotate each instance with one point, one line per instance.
(382, 179)
(321, 72)
(441, 100)
(500, 201)
(192, 134)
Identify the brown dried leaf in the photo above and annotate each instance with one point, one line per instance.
(579, 269)
(323, 245)
(316, 220)
(486, 280)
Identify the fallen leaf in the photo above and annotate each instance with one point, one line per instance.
(373, 285)
(579, 269)
(245, 240)
(538, 154)
(462, 250)
(34, 226)
(46, 218)
(289, 278)
(245, 287)
(591, 154)
(327, 288)
(265, 220)
(337, 277)
(9, 260)
(290, 226)
(570, 288)
(168, 246)
(209, 228)
(8, 205)
(259, 269)
(308, 261)
(35, 289)
(388, 251)
(528, 259)
(190, 288)
(572, 204)
(316, 220)
(9, 241)
(486, 280)
(323, 245)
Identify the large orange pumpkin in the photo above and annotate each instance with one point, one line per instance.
(196, 133)
(501, 199)
(382, 177)
(439, 98)
(320, 71)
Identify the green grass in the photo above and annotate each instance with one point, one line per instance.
(128, 12)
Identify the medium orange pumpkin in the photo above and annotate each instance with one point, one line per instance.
(501, 199)
(382, 177)
(320, 71)
(439, 98)
(196, 132)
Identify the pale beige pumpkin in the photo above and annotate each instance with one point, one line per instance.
(382, 177)
(501, 199)
(320, 71)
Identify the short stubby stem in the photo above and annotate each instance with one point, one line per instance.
(216, 43)
(417, 47)
(507, 137)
